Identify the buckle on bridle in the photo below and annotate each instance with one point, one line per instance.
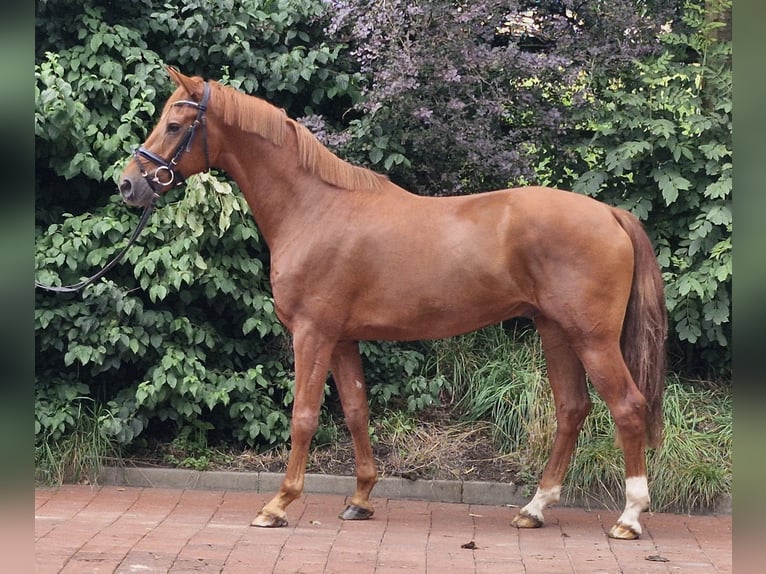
(160, 169)
(162, 166)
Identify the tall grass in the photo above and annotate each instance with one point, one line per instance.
(498, 376)
(77, 456)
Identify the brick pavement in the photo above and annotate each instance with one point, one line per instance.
(127, 530)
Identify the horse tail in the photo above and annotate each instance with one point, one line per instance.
(645, 327)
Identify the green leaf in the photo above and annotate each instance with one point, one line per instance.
(376, 154)
(687, 284)
(250, 324)
(95, 42)
(157, 292)
(661, 127)
(670, 183)
(715, 150)
(719, 189)
(590, 183)
(717, 312)
(634, 148)
(688, 331)
(719, 215)
(342, 81)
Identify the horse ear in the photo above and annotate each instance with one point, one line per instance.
(174, 74)
(189, 84)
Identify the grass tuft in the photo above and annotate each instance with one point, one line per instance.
(79, 455)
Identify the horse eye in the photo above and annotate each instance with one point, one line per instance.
(174, 128)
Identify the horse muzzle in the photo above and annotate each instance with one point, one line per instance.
(137, 192)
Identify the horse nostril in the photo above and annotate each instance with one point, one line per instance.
(126, 188)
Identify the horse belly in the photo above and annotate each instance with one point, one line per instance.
(430, 301)
(436, 324)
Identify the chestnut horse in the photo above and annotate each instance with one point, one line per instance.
(355, 257)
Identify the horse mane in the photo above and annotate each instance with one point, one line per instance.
(254, 115)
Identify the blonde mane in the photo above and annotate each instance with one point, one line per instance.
(257, 116)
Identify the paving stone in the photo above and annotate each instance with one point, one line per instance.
(127, 529)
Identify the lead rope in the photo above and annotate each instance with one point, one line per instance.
(85, 282)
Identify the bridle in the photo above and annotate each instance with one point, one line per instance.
(166, 173)
(173, 178)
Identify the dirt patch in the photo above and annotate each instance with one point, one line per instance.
(433, 445)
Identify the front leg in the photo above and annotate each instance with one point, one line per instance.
(349, 379)
(312, 359)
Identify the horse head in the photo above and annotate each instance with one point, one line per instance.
(173, 148)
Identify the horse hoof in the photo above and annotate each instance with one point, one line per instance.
(622, 531)
(353, 512)
(525, 520)
(268, 520)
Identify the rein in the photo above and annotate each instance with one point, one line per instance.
(172, 177)
(85, 282)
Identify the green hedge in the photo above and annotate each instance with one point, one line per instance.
(183, 335)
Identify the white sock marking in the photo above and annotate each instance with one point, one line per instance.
(636, 500)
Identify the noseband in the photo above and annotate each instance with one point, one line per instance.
(166, 173)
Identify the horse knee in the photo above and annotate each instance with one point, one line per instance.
(357, 419)
(303, 427)
(570, 415)
(630, 417)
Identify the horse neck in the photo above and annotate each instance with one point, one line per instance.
(280, 193)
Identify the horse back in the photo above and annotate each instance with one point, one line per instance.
(401, 266)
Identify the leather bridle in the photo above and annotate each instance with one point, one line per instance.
(165, 175)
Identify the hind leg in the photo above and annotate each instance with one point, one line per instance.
(570, 393)
(610, 376)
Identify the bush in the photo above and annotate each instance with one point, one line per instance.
(661, 148)
(182, 337)
(185, 331)
(183, 334)
(462, 97)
